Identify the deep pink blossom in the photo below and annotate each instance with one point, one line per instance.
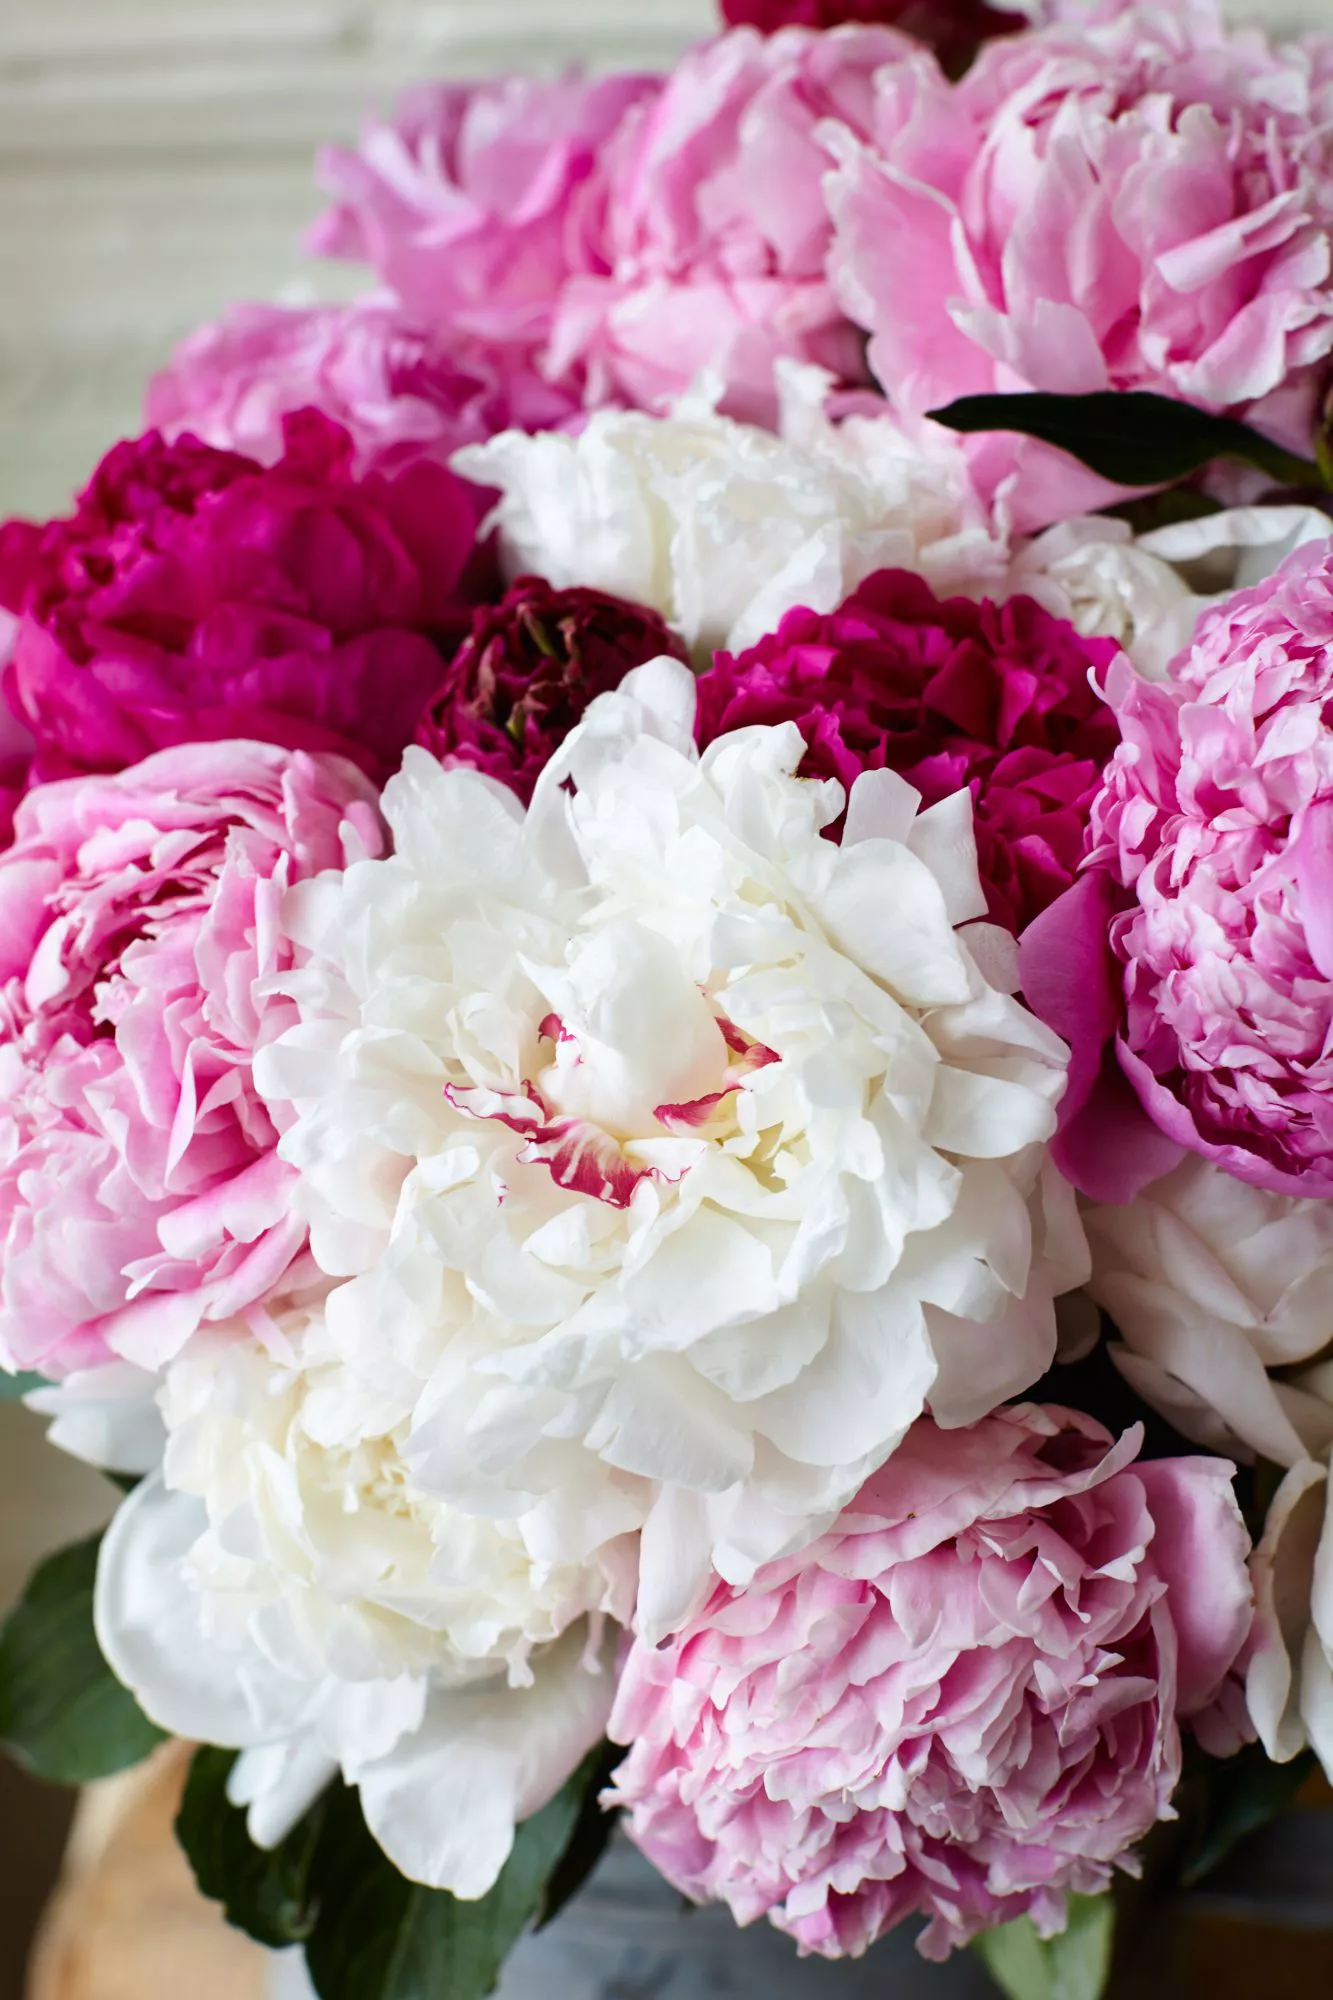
(1212, 847)
(527, 671)
(949, 693)
(1139, 201)
(195, 595)
(476, 203)
(402, 393)
(953, 28)
(140, 1192)
(963, 1702)
(716, 226)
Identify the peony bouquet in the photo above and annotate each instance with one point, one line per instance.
(666, 936)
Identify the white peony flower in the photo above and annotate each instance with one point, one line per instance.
(1223, 1297)
(284, 1587)
(722, 527)
(654, 1129)
(1220, 1292)
(1289, 1679)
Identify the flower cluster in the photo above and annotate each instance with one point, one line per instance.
(620, 954)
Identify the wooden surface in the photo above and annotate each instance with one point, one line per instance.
(127, 1923)
(155, 162)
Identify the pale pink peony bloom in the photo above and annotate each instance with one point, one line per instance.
(140, 1189)
(476, 202)
(402, 393)
(962, 1702)
(717, 230)
(1139, 202)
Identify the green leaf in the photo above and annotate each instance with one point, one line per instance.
(588, 1841)
(266, 1893)
(380, 1937)
(1074, 1966)
(1236, 1796)
(13, 1387)
(1131, 437)
(369, 1933)
(63, 1713)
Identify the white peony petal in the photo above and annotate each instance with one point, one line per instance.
(152, 1630)
(983, 1364)
(945, 839)
(278, 1783)
(881, 805)
(884, 908)
(1283, 1568)
(444, 1805)
(107, 1416)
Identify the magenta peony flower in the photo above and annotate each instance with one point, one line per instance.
(953, 28)
(717, 230)
(1140, 202)
(194, 595)
(140, 1193)
(477, 203)
(401, 393)
(962, 1702)
(1213, 845)
(524, 675)
(948, 693)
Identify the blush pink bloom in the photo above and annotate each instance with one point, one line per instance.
(953, 28)
(1212, 898)
(949, 693)
(477, 202)
(140, 1192)
(963, 1702)
(1141, 202)
(527, 671)
(401, 394)
(195, 595)
(717, 230)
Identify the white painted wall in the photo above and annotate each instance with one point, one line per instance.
(155, 162)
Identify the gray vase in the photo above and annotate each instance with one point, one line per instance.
(626, 1936)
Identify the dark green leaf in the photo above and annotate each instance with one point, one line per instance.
(63, 1713)
(1235, 1797)
(587, 1843)
(266, 1893)
(379, 1937)
(12, 1387)
(1133, 438)
(1074, 1966)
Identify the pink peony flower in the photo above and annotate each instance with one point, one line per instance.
(953, 28)
(717, 230)
(527, 671)
(962, 1702)
(948, 693)
(140, 1193)
(401, 393)
(194, 595)
(1140, 202)
(1212, 841)
(477, 203)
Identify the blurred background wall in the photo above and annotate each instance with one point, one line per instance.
(155, 163)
